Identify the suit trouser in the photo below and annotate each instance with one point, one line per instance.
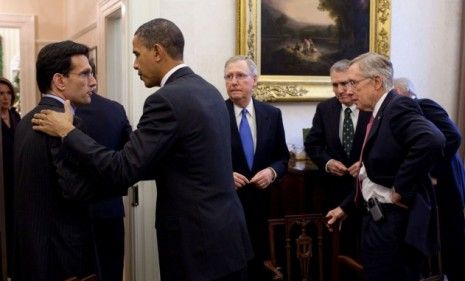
(109, 246)
(385, 255)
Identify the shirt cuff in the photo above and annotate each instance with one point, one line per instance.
(275, 175)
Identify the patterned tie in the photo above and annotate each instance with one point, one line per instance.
(246, 138)
(347, 132)
(358, 182)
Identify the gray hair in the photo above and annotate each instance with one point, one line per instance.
(340, 66)
(163, 32)
(405, 87)
(372, 64)
(250, 63)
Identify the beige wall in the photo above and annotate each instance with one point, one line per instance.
(58, 19)
(49, 16)
(80, 21)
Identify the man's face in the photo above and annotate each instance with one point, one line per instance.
(339, 81)
(5, 97)
(146, 63)
(362, 88)
(239, 82)
(80, 82)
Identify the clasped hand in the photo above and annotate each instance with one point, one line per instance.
(261, 179)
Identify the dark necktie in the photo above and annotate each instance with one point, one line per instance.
(347, 131)
(358, 193)
(246, 138)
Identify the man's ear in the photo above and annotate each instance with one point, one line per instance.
(378, 82)
(58, 80)
(158, 52)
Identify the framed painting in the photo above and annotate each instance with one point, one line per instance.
(295, 42)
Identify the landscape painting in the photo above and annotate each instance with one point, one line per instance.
(295, 42)
(305, 37)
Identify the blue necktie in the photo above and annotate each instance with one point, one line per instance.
(246, 138)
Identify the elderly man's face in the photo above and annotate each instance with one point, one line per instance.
(239, 82)
(362, 88)
(339, 81)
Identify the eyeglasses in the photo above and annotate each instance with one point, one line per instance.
(238, 76)
(343, 84)
(354, 83)
(85, 74)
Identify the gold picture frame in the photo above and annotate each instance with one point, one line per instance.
(295, 87)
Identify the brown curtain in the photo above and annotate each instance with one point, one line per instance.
(461, 96)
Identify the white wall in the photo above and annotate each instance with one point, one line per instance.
(424, 47)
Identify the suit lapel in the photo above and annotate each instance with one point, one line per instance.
(334, 122)
(262, 124)
(379, 118)
(236, 143)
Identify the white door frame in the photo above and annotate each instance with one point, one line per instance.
(26, 25)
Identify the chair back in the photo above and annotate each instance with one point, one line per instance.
(297, 248)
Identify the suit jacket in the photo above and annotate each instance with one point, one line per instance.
(52, 226)
(183, 142)
(106, 122)
(450, 175)
(400, 151)
(271, 151)
(323, 143)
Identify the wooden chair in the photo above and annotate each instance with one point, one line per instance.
(301, 240)
(297, 245)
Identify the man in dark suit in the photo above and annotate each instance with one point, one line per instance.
(253, 173)
(334, 143)
(401, 147)
(52, 227)
(449, 182)
(183, 142)
(107, 124)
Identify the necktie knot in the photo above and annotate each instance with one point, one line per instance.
(347, 112)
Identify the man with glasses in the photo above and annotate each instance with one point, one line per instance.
(53, 235)
(259, 154)
(334, 143)
(394, 188)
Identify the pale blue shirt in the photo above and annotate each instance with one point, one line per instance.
(60, 100)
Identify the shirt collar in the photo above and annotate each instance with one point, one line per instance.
(379, 103)
(168, 74)
(249, 107)
(51, 95)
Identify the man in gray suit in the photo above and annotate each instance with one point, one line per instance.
(183, 142)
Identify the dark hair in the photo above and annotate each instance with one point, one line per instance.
(56, 58)
(163, 32)
(7, 83)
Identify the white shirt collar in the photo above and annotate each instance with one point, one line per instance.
(168, 74)
(249, 107)
(379, 103)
